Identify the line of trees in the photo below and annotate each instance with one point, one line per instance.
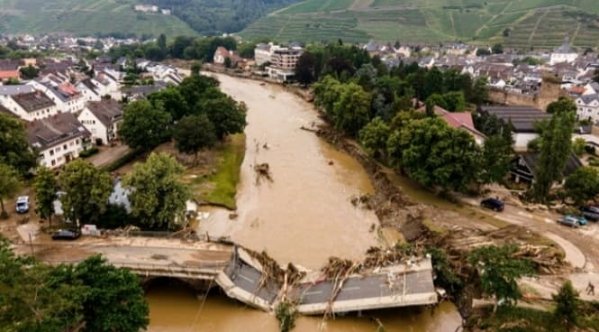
(196, 114)
(378, 107)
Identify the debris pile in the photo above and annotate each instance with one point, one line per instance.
(262, 171)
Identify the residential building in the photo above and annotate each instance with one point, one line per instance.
(283, 62)
(563, 54)
(7, 91)
(524, 168)
(58, 139)
(458, 120)
(9, 69)
(66, 96)
(588, 107)
(220, 55)
(101, 119)
(32, 106)
(523, 120)
(89, 89)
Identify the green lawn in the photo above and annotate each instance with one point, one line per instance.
(218, 185)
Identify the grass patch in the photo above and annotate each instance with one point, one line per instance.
(219, 186)
(529, 319)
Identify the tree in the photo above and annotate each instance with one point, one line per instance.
(374, 137)
(171, 100)
(46, 188)
(352, 110)
(227, 116)
(144, 125)
(305, 69)
(29, 72)
(583, 184)
(497, 155)
(9, 186)
(497, 49)
(480, 91)
(556, 147)
(14, 148)
(454, 101)
(578, 146)
(194, 133)
(481, 51)
(86, 191)
(499, 270)
(115, 300)
(436, 155)
(566, 305)
(157, 195)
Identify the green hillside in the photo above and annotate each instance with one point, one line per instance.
(85, 17)
(525, 23)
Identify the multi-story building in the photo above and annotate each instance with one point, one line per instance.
(588, 107)
(101, 119)
(58, 139)
(31, 105)
(283, 61)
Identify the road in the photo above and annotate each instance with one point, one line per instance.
(369, 287)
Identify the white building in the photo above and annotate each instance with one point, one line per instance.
(102, 119)
(58, 139)
(6, 93)
(283, 61)
(563, 54)
(66, 96)
(31, 106)
(588, 107)
(89, 89)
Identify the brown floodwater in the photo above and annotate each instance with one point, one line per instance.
(304, 215)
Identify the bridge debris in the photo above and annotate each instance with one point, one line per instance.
(262, 171)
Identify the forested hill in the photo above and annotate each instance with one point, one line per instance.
(515, 23)
(220, 16)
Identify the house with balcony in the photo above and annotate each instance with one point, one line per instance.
(58, 139)
(102, 119)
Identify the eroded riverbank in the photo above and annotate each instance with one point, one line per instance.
(304, 215)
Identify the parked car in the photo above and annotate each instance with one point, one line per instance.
(572, 221)
(590, 212)
(493, 204)
(66, 234)
(22, 204)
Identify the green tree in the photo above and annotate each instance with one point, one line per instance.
(497, 49)
(157, 195)
(171, 101)
(480, 91)
(145, 126)
(115, 300)
(436, 155)
(578, 146)
(194, 133)
(352, 110)
(326, 92)
(14, 148)
(556, 147)
(454, 101)
(496, 158)
(434, 100)
(499, 271)
(33, 299)
(566, 305)
(583, 184)
(9, 186)
(227, 116)
(87, 190)
(374, 137)
(29, 72)
(305, 69)
(46, 187)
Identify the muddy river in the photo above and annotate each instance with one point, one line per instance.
(303, 215)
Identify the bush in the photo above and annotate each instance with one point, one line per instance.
(89, 152)
(129, 157)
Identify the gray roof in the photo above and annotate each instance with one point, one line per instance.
(33, 101)
(572, 164)
(10, 90)
(587, 99)
(522, 118)
(107, 111)
(54, 130)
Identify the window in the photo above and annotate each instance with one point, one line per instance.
(64, 147)
(53, 162)
(57, 149)
(51, 152)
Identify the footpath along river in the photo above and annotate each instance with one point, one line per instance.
(304, 216)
